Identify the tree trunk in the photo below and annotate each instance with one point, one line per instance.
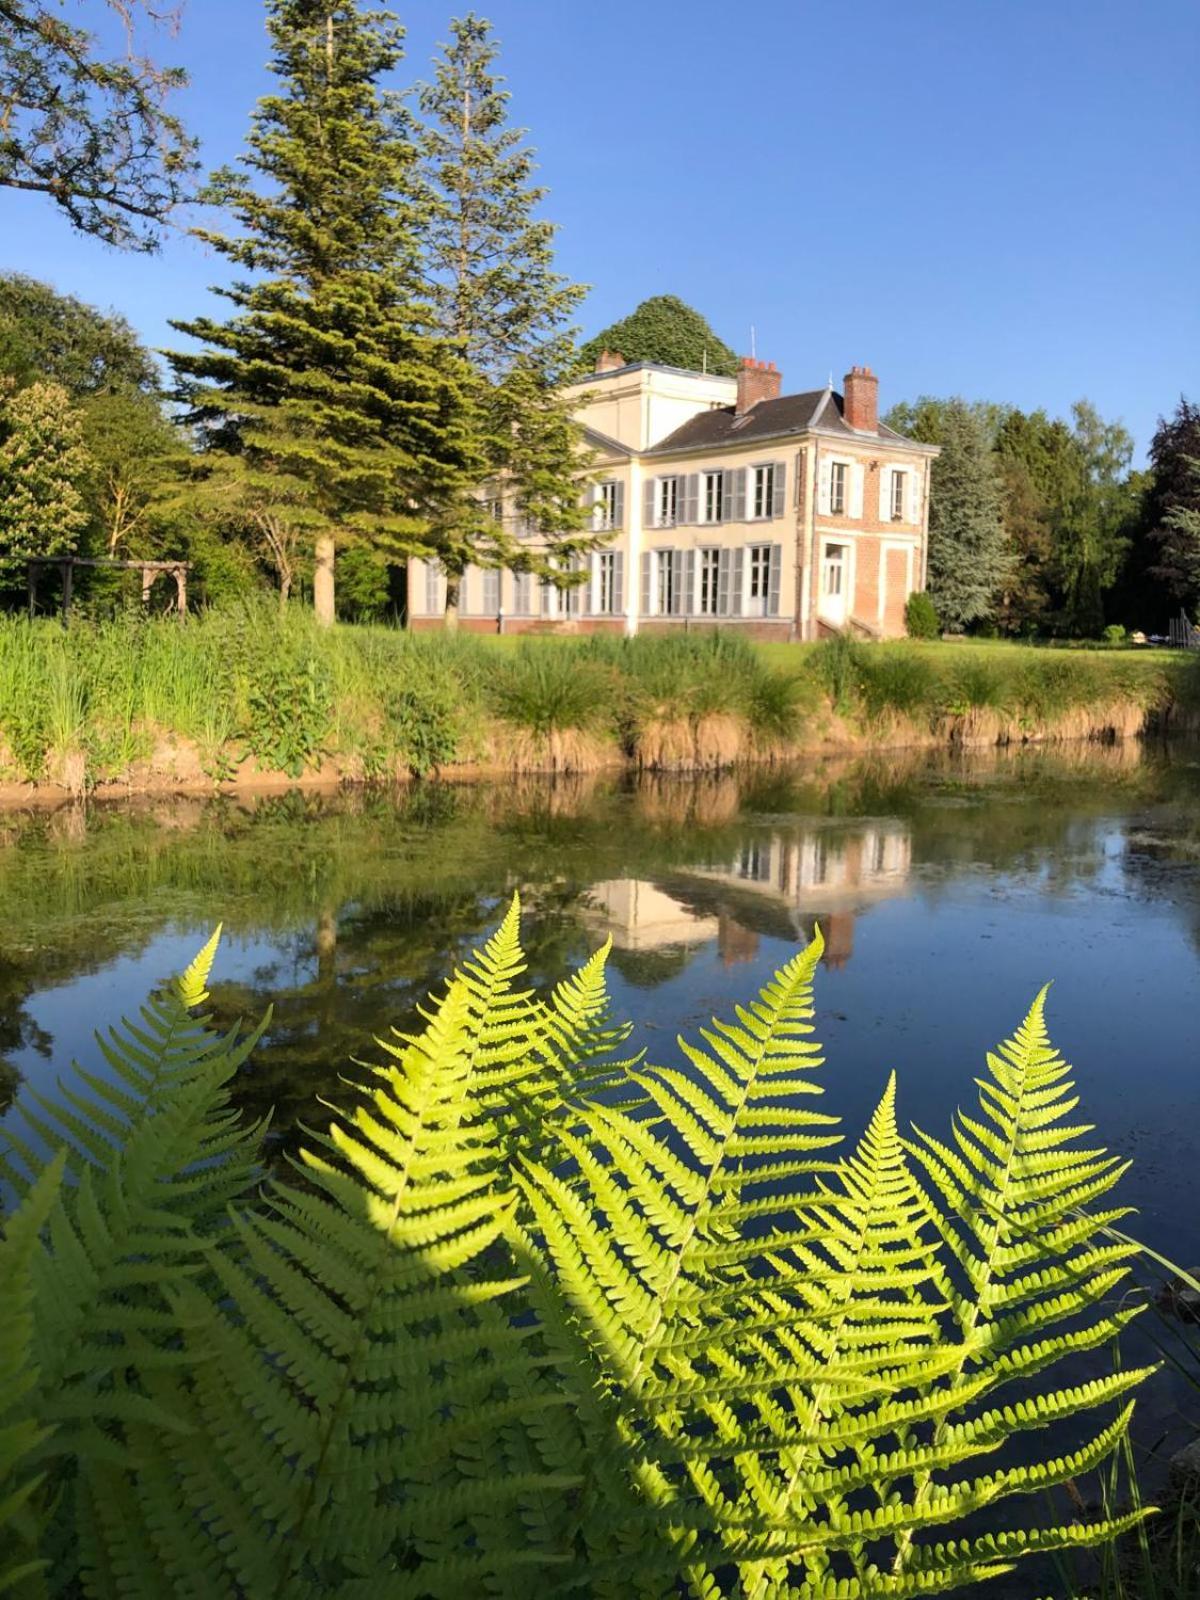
(453, 590)
(323, 593)
(285, 589)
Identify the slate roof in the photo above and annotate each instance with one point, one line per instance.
(819, 409)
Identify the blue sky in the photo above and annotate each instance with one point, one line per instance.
(988, 197)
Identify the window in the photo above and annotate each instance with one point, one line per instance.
(833, 570)
(433, 588)
(899, 481)
(754, 862)
(713, 496)
(666, 502)
(837, 488)
(606, 584)
(665, 583)
(710, 572)
(763, 502)
(491, 591)
(758, 580)
(495, 510)
(522, 593)
(608, 506)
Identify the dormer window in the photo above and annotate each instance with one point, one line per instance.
(839, 473)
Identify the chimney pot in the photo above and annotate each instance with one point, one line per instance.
(757, 380)
(609, 361)
(860, 400)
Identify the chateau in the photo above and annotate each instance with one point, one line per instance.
(728, 503)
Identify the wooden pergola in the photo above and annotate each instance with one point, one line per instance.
(150, 571)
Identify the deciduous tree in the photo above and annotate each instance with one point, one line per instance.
(667, 330)
(43, 468)
(89, 126)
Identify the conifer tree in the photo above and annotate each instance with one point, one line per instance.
(490, 260)
(968, 557)
(329, 382)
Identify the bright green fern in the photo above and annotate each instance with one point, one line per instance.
(533, 1316)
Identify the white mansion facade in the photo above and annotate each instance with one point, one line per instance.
(727, 503)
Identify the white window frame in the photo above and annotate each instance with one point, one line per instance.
(434, 594)
(708, 566)
(606, 505)
(490, 591)
(666, 502)
(762, 493)
(495, 509)
(606, 581)
(899, 495)
(840, 562)
(712, 491)
(839, 480)
(756, 567)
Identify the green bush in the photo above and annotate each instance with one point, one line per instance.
(920, 617)
(537, 1313)
(1114, 634)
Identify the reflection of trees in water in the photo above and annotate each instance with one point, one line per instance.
(370, 897)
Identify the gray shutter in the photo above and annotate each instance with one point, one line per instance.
(735, 584)
(779, 498)
(728, 492)
(547, 590)
(737, 510)
(644, 608)
(618, 583)
(723, 564)
(648, 503)
(584, 592)
(619, 508)
(689, 493)
(689, 584)
(677, 565)
(774, 580)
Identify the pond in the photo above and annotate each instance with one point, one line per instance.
(947, 890)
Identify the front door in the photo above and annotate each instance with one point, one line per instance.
(835, 578)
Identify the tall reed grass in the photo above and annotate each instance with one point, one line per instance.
(91, 702)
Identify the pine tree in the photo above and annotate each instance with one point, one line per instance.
(43, 469)
(490, 259)
(329, 381)
(667, 330)
(968, 557)
(1174, 511)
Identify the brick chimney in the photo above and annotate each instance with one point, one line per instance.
(756, 380)
(609, 361)
(860, 394)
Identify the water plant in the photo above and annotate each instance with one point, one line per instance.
(538, 1311)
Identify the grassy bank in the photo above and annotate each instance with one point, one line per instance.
(252, 696)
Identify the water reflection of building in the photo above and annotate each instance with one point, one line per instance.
(826, 874)
(640, 916)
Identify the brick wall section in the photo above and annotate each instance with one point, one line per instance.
(860, 394)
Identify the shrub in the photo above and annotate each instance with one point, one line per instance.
(837, 664)
(536, 1312)
(547, 690)
(900, 681)
(1114, 634)
(920, 617)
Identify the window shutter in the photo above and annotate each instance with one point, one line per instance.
(728, 494)
(689, 495)
(619, 508)
(618, 583)
(740, 491)
(824, 479)
(689, 584)
(465, 585)
(593, 496)
(855, 508)
(914, 496)
(774, 580)
(646, 608)
(736, 590)
(885, 494)
(677, 564)
(779, 498)
(723, 565)
(547, 600)
(648, 502)
(593, 585)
